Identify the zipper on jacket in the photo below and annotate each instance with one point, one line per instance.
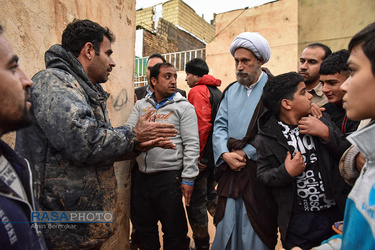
(152, 102)
(38, 232)
(146, 162)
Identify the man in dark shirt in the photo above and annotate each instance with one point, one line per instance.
(298, 157)
(17, 200)
(141, 92)
(333, 73)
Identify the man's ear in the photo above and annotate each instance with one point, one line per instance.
(198, 78)
(285, 103)
(88, 51)
(260, 61)
(153, 81)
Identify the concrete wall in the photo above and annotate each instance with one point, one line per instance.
(332, 22)
(33, 26)
(276, 21)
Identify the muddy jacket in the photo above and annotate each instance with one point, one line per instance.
(14, 209)
(272, 148)
(72, 147)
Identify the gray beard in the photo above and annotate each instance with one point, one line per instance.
(245, 81)
(250, 78)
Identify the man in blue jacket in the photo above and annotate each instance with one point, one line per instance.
(16, 189)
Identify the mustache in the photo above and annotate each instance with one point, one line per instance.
(27, 94)
(239, 73)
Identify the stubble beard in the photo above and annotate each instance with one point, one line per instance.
(13, 125)
(310, 81)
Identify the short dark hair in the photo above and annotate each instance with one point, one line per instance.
(156, 55)
(366, 38)
(79, 32)
(278, 88)
(197, 66)
(327, 50)
(336, 63)
(155, 70)
(1, 29)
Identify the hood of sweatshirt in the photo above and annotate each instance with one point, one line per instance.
(58, 58)
(209, 80)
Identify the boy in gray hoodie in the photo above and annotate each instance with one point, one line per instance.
(164, 175)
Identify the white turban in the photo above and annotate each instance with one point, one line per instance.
(254, 42)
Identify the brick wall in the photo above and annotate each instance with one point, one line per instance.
(169, 39)
(154, 43)
(144, 18)
(178, 13)
(188, 42)
(192, 22)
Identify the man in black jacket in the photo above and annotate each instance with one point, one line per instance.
(152, 60)
(298, 157)
(17, 200)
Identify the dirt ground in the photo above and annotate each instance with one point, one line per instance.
(212, 231)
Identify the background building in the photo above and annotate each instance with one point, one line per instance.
(288, 25)
(169, 28)
(175, 25)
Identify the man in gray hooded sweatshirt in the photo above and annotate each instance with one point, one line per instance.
(163, 175)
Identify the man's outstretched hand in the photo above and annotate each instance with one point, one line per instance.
(161, 142)
(153, 134)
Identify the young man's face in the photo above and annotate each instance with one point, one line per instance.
(248, 67)
(359, 88)
(309, 65)
(151, 63)
(165, 85)
(301, 104)
(102, 64)
(331, 86)
(191, 79)
(14, 107)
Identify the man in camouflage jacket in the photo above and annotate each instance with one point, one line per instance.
(72, 144)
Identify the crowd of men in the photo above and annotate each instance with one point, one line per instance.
(291, 153)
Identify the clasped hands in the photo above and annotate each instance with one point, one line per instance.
(235, 159)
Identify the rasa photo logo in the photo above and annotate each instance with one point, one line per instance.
(72, 217)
